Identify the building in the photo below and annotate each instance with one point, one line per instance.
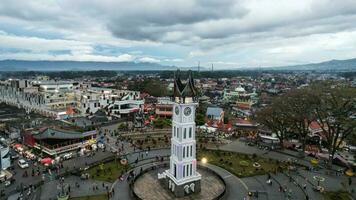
(215, 115)
(182, 177)
(68, 99)
(5, 161)
(48, 98)
(231, 95)
(55, 141)
(164, 107)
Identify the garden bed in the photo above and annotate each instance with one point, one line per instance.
(108, 171)
(242, 165)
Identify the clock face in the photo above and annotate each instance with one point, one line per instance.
(187, 111)
(177, 110)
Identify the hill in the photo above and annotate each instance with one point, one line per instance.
(332, 65)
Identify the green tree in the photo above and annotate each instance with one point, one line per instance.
(336, 106)
(161, 123)
(200, 119)
(299, 106)
(275, 118)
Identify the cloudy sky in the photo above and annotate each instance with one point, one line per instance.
(227, 33)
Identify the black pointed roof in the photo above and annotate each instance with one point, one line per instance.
(184, 89)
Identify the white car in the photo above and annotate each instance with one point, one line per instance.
(22, 164)
(67, 156)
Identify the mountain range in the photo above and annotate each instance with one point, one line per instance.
(26, 65)
(332, 65)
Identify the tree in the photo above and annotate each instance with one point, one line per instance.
(334, 117)
(161, 123)
(299, 107)
(274, 118)
(200, 119)
(152, 86)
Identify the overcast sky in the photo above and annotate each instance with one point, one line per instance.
(228, 33)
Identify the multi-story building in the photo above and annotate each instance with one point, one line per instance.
(164, 107)
(5, 161)
(61, 99)
(47, 98)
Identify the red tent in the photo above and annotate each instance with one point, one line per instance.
(46, 161)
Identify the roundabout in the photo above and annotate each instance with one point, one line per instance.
(146, 186)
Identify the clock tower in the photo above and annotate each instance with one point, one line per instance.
(182, 177)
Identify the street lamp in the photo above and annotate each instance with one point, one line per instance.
(204, 160)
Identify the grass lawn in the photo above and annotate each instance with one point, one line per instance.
(339, 195)
(94, 197)
(241, 165)
(108, 172)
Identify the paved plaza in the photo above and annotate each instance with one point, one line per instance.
(148, 187)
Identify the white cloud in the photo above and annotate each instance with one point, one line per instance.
(41, 49)
(149, 60)
(228, 32)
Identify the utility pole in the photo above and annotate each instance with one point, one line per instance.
(212, 67)
(198, 66)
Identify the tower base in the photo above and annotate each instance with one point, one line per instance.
(182, 189)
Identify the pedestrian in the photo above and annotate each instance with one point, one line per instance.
(68, 188)
(146, 153)
(305, 186)
(103, 185)
(113, 191)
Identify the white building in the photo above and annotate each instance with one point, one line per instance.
(62, 99)
(5, 161)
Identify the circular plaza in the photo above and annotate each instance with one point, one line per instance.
(148, 187)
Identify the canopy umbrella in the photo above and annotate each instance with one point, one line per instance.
(46, 161)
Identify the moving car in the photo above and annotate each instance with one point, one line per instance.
(22, 164)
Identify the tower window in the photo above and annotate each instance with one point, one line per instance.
(175, 170)
(191, 171)
(191, 151)
(187, 168)
(185, 133)
(183, 152)
(190, 132)
(187, 151)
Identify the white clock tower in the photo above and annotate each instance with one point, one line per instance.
(182, 177)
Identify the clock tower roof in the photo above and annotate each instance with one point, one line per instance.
(186, 89)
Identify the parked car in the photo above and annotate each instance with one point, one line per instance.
(14, 155)
(22, 164)
(67, 156)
